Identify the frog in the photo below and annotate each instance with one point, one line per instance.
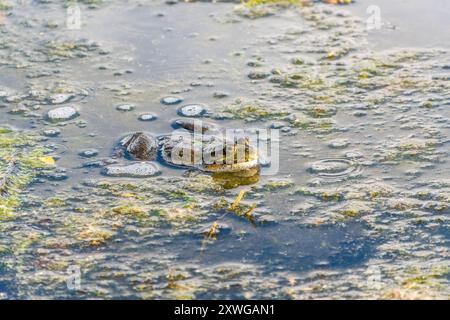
(137, 146)
(209, 152)
(232, 160)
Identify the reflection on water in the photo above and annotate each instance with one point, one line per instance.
(230, 180)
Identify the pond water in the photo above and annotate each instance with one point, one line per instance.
(357, 208)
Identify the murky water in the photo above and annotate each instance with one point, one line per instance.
(358, 208)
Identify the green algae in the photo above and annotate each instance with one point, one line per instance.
(55, 202)
(277, 184)
(21, 160)
(95, 236)
(426, 278)
(355, 209)
(252, 3)
(56, 50)
(322, 112)
(314, 125)
(324, 195)
(255, 9)
(251, 112)
(303, 81)
(5, 6)
(419, 283)
(130, 209)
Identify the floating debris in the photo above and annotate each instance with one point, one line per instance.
(6, 180)
(251, 112)
(62, 114)
(59, 174)
(258, 75)
(135, 170)
(51, 132)
(212, 232)
(220, 94)
(89, 153)
(238, 199)
(339, 144)
(192, 110)
(147, 117)
(171, 100)
(61, 98)
(99, 163)
(125, 107)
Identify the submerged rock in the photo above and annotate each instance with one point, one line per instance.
(137, 146)
(277, 125)
(13, 99)
(220, 94)
(189, 124)
(59, 174)
(51, 132)
(339, 144)
(60, 98)
(171, 2)
(135, 170)
(62, 114)
(192, 110)
(88, 153)
(20, 109)
(257, 75)
(171, 100)
(147, 117)
(125, 107)
(99, 163)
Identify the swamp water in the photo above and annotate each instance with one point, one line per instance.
(359, 207)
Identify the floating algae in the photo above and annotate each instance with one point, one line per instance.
(21, 161)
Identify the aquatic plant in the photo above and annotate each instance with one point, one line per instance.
(253, 3)
(252, 112)
(285, 3)
(277, 184)
(5, 5)
(21, 160)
